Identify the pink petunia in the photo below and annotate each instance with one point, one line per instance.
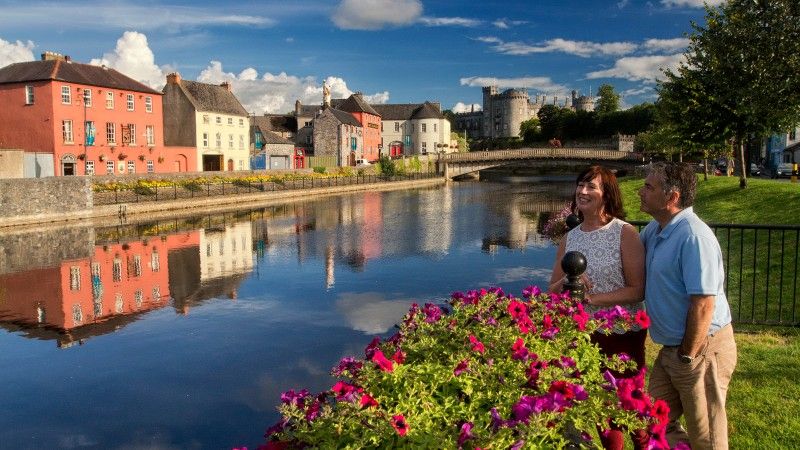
(477, 346)
(399, 357)
(642, 319)
(461, 367)
(399, 424)
(384, 364)
(517, 309)
(367, 401)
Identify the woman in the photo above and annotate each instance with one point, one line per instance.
(614, 273)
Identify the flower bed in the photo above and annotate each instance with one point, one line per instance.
(491, 371)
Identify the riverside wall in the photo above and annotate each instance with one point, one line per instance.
(44, 200)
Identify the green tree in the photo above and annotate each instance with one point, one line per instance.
(549, 121)
(463, 144)
(608, 100)
(529, 130)
(740, 75)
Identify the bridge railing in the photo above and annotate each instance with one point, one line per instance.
(761, 271)
(527, 153)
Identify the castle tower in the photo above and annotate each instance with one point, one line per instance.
(489, 93)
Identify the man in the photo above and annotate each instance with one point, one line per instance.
(689, 313)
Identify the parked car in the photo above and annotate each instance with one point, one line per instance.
(755, 170)
(784, 170)
(362, 163)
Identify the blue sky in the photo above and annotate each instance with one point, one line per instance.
(395, 51)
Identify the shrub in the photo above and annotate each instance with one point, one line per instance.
(386, 166)
(319, 169)
(496, 372)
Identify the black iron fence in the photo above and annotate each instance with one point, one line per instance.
(164, 191)
(761, 271)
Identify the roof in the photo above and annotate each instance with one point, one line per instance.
(344, 117)
(356, 103)
(427, 111)
(71, 72)
(268, 137)
(279, 123)
(212, 98)
(409, 111)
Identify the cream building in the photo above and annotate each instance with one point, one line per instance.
(209, 118)
(225, 252)
(413, 129)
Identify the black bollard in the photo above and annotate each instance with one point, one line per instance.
(574, 264)
(572, 221)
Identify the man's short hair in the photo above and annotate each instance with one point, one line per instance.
(676, 177)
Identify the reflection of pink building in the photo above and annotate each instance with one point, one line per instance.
(372, 226)
(78, 119)
(117, 280)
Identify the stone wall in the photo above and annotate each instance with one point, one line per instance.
(43, 200)
(45, 247)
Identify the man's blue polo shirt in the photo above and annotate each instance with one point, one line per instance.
(683, 259)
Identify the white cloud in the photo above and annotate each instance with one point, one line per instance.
(126, 16)
(666, 45)
(622, 4)
(641, 68)
(690, 3)
(579, 48)
(637, 91)
(276, 93)
(504, 24)
(530, 274)
(14, 52)
(542, 84)
(462, 108)
(371, 312)
(133, 57)
(449, 21)
(375, 14)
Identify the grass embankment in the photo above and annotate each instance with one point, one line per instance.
(764, 395)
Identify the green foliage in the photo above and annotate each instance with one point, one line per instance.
(415, 165)
(608, 100)
(479, 365)
(319, 169)
(463, 144)
(386, 166)
(345, 171)
(193, 186)
(530, 130)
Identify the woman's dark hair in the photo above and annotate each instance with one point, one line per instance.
(612, 198)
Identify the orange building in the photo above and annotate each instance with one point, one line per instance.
(370, 121)
(80, 119)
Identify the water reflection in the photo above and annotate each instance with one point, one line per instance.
(196, 324)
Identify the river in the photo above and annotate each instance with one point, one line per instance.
(182, 333)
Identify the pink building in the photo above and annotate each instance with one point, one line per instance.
(79, 119)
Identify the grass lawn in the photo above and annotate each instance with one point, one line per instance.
(764, 395)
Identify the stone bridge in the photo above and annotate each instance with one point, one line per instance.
(457, 164)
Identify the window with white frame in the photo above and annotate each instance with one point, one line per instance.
(129, 102)
(111, 133)
(230, 120)
(434, 128)
(148, 104)
(137, 265)
(424, 147)
(109, 100)
(150, 134)
(241, 122)
(119, 303)
(424, 127)
(75, 278)
(131, 167)
(89, 167)
(77, 314)
(110, 167)
(397, 126)
(87, 97)
(66, 131)
(219, 140)
(150, 166)
(155, 261)
(156, 293)
(28, 95)
(241, 164)
(241, 142)
(230, 141)
(116, 270)
(205, 140)
(66, 95)
(219, 120)
(138, 296)
(132, 131)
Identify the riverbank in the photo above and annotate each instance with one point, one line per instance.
(155, 210)
(720, 200)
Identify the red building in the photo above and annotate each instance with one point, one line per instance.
(80, 119)
(370, 121)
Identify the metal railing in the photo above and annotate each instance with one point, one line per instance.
(188, 190)
(761, 271)
(541, 153)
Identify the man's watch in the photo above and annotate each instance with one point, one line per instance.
(686, 359)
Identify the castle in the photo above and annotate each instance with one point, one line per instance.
(503, 112)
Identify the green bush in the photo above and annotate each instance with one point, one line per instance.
(319, 169)
(386, 166)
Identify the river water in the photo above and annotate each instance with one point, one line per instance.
(181, 334)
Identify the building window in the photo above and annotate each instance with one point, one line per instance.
(87, 97)
(205, 118)
(230, 141)
(424, 147)
(110, 167)
(241, 164)
(75, 278)
(793, 135)
(230, 121)
(129, 102)
(90, 133)
(138, 296)
(137, 266)
(353, 144)
(205, 140)
(116, 270)
(150, 135)
(131, 134)
(148, 104)
(28, 95)
(77, 314)
(66, 95)
(241, 122)
(118, 303)
(381, 127)
(89, 167)
(131, 167)
(66, 131)
(155, 262)
(109, 100)
(434, 128)
(111, 133)
(150, 168)
(219, 120)
(397, 126)
(156, 293)
(424, 127)
(241, 142)
(219, 140)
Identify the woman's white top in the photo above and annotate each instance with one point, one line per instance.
(602, 249)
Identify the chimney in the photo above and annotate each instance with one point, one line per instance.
(174, 78)
(297, 108)
(53, 56)
(226, 85)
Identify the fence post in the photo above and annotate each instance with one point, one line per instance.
(174, 191)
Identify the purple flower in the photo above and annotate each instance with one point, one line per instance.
(517, 445)
(549, 333)
(432, 313)
(349, 365)
(465, 434)
(462, 366)
(372, 347)
(291, 397)
(531, 291)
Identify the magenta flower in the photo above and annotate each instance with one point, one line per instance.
(347, 365)
(525, 325)
(549, 333)
(345, 391)
(367, 401)
(399, 357)
(477, 346)
(432, 313)
(581, 318)
(399, 424)
(297, 398)
(465, 434)
(384, 364)
(519, 351)
(642, 319)
(462, 366)
(517, 309)
(313, 410)
(373, 345)
(531, 291)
